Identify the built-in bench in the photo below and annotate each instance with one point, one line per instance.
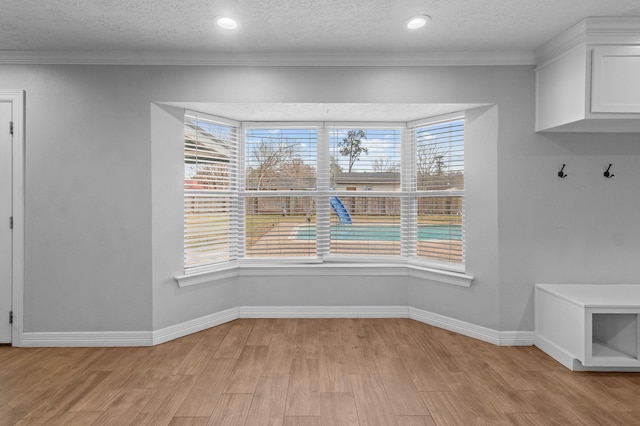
(589, 326)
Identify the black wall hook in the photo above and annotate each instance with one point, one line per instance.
(561, 173)
(607, 174)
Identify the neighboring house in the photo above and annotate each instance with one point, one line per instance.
(366, 181)
(390, 182)
(371, 182)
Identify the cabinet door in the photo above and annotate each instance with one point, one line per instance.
(615, 82)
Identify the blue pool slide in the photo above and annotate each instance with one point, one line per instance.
(341, 210)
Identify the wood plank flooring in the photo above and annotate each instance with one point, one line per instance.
(297, 372)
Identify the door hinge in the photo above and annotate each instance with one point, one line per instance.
(10, 317)
(11, 127)
(10, 222)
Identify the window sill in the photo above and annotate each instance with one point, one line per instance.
(207, 276)
(441, 276)
(326, 269)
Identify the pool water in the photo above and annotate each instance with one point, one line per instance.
(382, 232)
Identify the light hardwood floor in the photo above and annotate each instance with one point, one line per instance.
(310, 372)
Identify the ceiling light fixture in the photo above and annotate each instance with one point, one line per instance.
(417, 22)
(226, 23)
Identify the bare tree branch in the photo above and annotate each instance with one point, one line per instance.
(351, 146)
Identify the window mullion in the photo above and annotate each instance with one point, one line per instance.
(239, 198)
(408, 217)
(323, 213)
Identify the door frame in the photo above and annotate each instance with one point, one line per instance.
(16, 98)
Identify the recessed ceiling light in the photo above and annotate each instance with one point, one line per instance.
(417, 22)
(226, 23)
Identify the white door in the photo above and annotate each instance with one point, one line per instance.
(6, 161)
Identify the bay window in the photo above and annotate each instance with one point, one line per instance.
(323, 192)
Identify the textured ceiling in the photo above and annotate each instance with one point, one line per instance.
(293, 26)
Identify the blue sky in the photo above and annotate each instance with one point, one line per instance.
(382, 144)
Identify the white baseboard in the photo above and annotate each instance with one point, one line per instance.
(556, 352)
(516, 338)
(126, 338)
(193, 326)
(324, 312)
(87, 339)
(570, 361)
(499, 338)
(148, 338)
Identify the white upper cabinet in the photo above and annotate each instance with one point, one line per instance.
(615, 81)
(588, 79)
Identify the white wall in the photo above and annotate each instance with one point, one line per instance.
(102, 231)
(334, 290)
(581, 229)
(87, 229)
(173, 305)
(478, 304)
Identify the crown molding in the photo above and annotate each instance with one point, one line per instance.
(391, 59)
(604, 31)
(590, 32)
(572, 38)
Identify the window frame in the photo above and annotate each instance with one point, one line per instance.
(414, 259)
(243, 193)
(215, 194)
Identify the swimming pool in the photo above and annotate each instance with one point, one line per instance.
(382, 232)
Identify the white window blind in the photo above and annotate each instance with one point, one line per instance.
(280, 198)
(439, 180)
(210, 192)
(365, 177)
